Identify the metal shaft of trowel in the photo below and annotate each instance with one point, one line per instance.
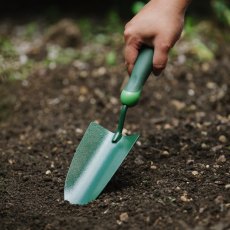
(118, 134)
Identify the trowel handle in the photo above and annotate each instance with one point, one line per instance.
(130, 95)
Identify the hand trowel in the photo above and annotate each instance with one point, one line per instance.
(101, 152)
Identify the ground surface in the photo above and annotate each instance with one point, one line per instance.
(176, 176)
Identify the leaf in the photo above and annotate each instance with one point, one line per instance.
(137, 6)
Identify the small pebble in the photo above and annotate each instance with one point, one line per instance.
(216, 148)
(195, 173)
(83, 74)
(11, 161)
(191, 108)
(92, 101)
(124, 217)
(125, 132)
(204, 146)
(101, 70)
(81, 98)
(165, 153)
(205, 66)
(227, 186)
(48, 172)
(216, 166)
(211, 85)
(139, 160)
(191, 92)
(219, 182)
(147, 219)
(201, 210)
(119, 222)
(78, 130)
(52, 165)
(190, 162)
(153, 167)
(204, 133)
(177, 188)
(219, 200)
(83, 90)
(221, 159)
(106, 211)
(222, 139)
(179, 105)
(167, 126)
(185, 198)
(138, 143)
(114, 100)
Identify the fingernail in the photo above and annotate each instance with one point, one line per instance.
(157, 72)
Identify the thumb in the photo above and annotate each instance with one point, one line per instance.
(160, 57)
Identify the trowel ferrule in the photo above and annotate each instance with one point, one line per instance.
(118, 134)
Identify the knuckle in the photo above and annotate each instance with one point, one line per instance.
(160, 64)
(127, 25)
(128, 32)
(164, 46)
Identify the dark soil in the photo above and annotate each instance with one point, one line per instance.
(176, 177)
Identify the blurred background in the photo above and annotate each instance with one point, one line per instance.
(36, 37)
(48, 33)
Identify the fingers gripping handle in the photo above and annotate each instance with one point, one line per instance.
(130, 95)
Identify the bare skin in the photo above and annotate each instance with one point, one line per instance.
(159, 24)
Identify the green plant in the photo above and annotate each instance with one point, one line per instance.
(114, 23)
(86, 28)
(111, 58)
(137, 6)
(31, 29)
(6, 48)
(222, 10)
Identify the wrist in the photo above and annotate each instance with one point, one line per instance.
(179, 6)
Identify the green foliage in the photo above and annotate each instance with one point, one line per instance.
(189, 25)
(31, 29)
(86, 28)
(59, 56)
(113, 22)
(201, 39)
(222, 11)
(201, 50)
(137, 6)
(111, 58)
(102, 38)
(10, 66)
(99, 32)
(6, 48)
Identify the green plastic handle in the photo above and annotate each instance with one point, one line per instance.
(131, 94)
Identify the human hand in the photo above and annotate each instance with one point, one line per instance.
(159, 25)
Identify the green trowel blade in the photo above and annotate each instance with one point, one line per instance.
(95, 161)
